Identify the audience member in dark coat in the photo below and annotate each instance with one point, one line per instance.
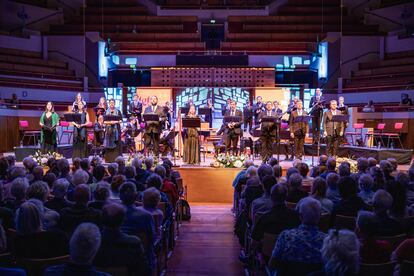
(350, 202)
(101, 195)
(295, 192)
(385, 225)
(58, 202)
(330, 167)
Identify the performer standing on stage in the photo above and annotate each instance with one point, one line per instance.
(332, 130)
(168, 111)
(191, 142)
(135, 107)
(209, 117)
(232, 130)
(80, 135)
(248, 116)
(153, 129)
(268, 132)
(100, 109)
(257, 109)
(112, 141)
(48, 123)
(226, 107)
(78, 99)
(344, 110)
(298, 130)
(99, 131)
(276, 109)
(292, 105)
(316, 105)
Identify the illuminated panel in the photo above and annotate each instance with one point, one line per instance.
(103, 63)
(323, 60)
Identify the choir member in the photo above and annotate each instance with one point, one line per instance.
(316, 105)
(48, 123)
(332, 130)
(112, 141)
(153, 129)
(298, 130)
(248, 116)
(191, 142)
(268, 132)
(232, 130)
(80, 135)
(78, 99)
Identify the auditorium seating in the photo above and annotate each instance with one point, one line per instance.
(28, 69)
(395, 71)
(212, 4)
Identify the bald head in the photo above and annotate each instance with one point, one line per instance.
(82, 194)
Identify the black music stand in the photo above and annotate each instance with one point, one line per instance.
(73, 117)
(109, 118)
(204, 111)
(191, 122)
(99, 111)
(303, 119)
(151, 118)
(232, 119)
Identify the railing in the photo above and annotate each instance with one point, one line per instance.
(385, 18)
(63, 3)
(35, 21)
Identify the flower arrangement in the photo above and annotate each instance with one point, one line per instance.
(42, 158)
(352, 163)
(142, 158)
(228, 161)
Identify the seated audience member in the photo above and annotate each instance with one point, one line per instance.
(350, 202)
(272, 162)
(130, 174)
(64, 169)
(155, 181)
(302, 245)
(83, 246)
(278, 218)
(116, 183)
(167, 186)
(340, 253)
(31, 241)
(264, 170)
(100, 195)
(76, 164)
(277, 172)
(378, 177)
(141, 175)
(319, 193)
(4, 168)
(149, 163)
(295, 192)
(151, 199)
(137, 221)
(387, 169)
(404, 252)
(372, 162)
(362, 166)
(58, 202)
(344, 169)
(372, 250)
(174, 173)
(366, 183)
(79, 212)
(398, 190)
(78, 177)
(121, 164)
(49, 178)
(264, 203)
(98, 173)
(112, 171)
(18, 192)
(85, 165)
(385, 225)
(29, 164)
(252, 190)
(37, 174)
(290, 171)
(119, 249)
(394, 165)
(410, 189)
(304, 170)
(330, 167)
(15, 173)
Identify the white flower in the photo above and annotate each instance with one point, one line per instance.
(238, 164)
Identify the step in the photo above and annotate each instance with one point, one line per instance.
(311, 37)
(35, 69)
(382, 76)
(132, 19)
(159, 37)
(380, 81)
(384, 71)
(387, 63)
(39, 84)
(22, 53)
(127, 28)
(111, 3)
(275, 47)
(160, 46)
(32, 61)
(116, 11)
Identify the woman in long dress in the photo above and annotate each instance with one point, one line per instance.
(112, 141)
(191, 142)
(48, 122)
(80, 135)
(78, 99)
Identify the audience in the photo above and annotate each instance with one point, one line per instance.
(366, 183)
(319, 193)
(151, 199)
(59, 190)
(350, 202)
(362, 166)
(330, 167)
(100, 195)
(295, 191)
(332, 192)
(385, 225)
(264, 203)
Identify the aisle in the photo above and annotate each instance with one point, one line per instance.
(206, 245)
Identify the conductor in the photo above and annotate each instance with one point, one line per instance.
(153, 128)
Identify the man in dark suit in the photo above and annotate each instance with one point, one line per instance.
(248, 116)
(276, 109)
(257, 109)
(316, 104)
(153, 128)
(135, 107)
(226, 107)
(232, 131)
(298, 130)
(268, 133)
(332, 130)
(344, 110)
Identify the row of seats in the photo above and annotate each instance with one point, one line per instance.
(211, 4)
(395, 71)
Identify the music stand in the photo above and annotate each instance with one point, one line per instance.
(232, 119)
(73, 117)
(204, 111)
(108, 118)
(191, 122)
(151, 118)
(99, 110)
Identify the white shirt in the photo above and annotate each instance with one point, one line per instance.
(333, 112)
(300, 112)
(232, 113)
(154, 107)
(269, 113)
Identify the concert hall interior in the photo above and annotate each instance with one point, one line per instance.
(206, 137)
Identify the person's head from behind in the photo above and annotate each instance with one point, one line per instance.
(319, 187)
(322, 160)
(49, 178)
(136, 163)
(362, 164)
(151, 198)
(303, 169)
(76, 164)
(4, 167)
(394, 163)
(149, 162)
(160, 170)
(295, 182)
(309, 211)
(84, 164)
(386, 167)
(366, 182)
(264, 170)
(277, 171)
(80, 177)
(28, 219)
(272, 161)
(37, 173)
(248, 163)
(19, 188)
(38, 190)
(16, 172)
(29, 163)
(344, 169)
(340, 253)
(278, 194)
(84, 243)
(253, 181)
(60, 188)
(50, 220)
(121, 163)
(113, 215)
(102, 191)
(251, 172)
(113, 169)
(331, 164)
(155, 181)
(128, 193)
(63, 166)
(366, 225)
(82, 195)
(130, 172)
(268, 182)
(382, 201)
(98, 172)
(117, 181)
(372, 162)
(347, 187)
(291, 171)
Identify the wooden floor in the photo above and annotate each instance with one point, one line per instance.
(206, 244)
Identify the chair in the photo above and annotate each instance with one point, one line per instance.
(344, 222)
(268, 244)
(396, 135)
(24, 130)
(394, 240)
(6, 259)
(358, 127)
(376, 134)
(407, 268)
(114, 270)
(384, 269)
(291, 205)
(37, 266)
(65, 131)
(324, 222)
